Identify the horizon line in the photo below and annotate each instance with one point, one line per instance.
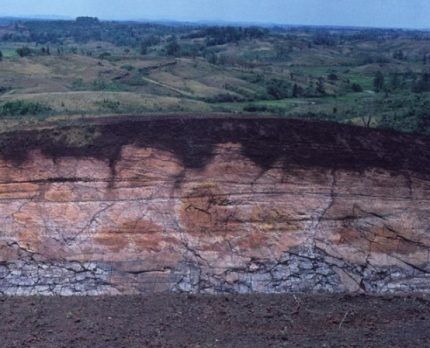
(40, 17)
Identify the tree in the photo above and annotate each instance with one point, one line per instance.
(148, 42)
(320, 88)
(356, 88)
(297, 91)
(105, 55)
(87, 20)
(333, 77)
(23, 51)
(395, 82)
(143, 49)
(278, 89)
(173, 48)
(423, 84)
(1, 56)
(378, 82)
(282, 51)
(45, 51)
(366, 119)
(368, 112)
(211, 57)
(21, 108)
(399, 55)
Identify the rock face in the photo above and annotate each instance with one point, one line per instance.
(213, 205)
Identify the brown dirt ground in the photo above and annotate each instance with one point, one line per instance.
(216, 321)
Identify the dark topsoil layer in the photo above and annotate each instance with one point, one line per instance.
(265, 141)
(216, 321)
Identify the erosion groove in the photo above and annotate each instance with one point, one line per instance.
(217, 205)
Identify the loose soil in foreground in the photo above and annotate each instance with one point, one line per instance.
(216, 321)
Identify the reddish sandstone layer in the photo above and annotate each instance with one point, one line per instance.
(242, 205)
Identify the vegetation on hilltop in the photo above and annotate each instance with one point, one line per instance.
(370, 77)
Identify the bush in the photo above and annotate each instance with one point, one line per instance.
(413, 121)
(84, 20)
(144, 71)
(108, 104)
(297, 91)
(254, 108)
(278, 89)
(22, 108)
(173, 49)
(259, 108)
(102, 85)
(422, 85)
(333, 77)
(211, 57)
(127, 67)
(24, 51)
(378, 82)
(223, 98)
(355, 87)
(78, 85)
(4, 89)
(105, 55)
(148, 42)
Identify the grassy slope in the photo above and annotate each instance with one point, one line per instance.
(131, 83)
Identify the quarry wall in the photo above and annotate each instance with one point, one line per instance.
(213, 206)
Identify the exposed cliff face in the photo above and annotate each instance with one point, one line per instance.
(214, 205)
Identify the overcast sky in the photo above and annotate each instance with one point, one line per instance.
(376, 13)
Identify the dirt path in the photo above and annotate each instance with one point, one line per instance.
(221, 321)
(177, 90)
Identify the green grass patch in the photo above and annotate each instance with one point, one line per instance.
(23, 108)
(9, 53)
(365, 81)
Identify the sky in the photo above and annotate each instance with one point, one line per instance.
(371, 13)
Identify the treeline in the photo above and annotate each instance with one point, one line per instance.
(86, 29)
(417, 83)
(353, 34)
(222, 35)
(26, 51)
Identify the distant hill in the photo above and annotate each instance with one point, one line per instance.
(11, 19)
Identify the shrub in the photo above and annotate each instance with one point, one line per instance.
(378, 82)
(24, 51)
(332, 77)
(257, 108)
(422, 85)
(108, 104)
(128, 67)
(297, 91)
(22, 108)
(148, 42)
(413, 121)
(105, 55)
(173, 48)
(278, 89)
(102, 85)
(223, 98)
(355, 87)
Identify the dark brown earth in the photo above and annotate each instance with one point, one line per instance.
(264, 141)
(216, 321)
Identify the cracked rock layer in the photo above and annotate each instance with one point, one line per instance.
(212, 206)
